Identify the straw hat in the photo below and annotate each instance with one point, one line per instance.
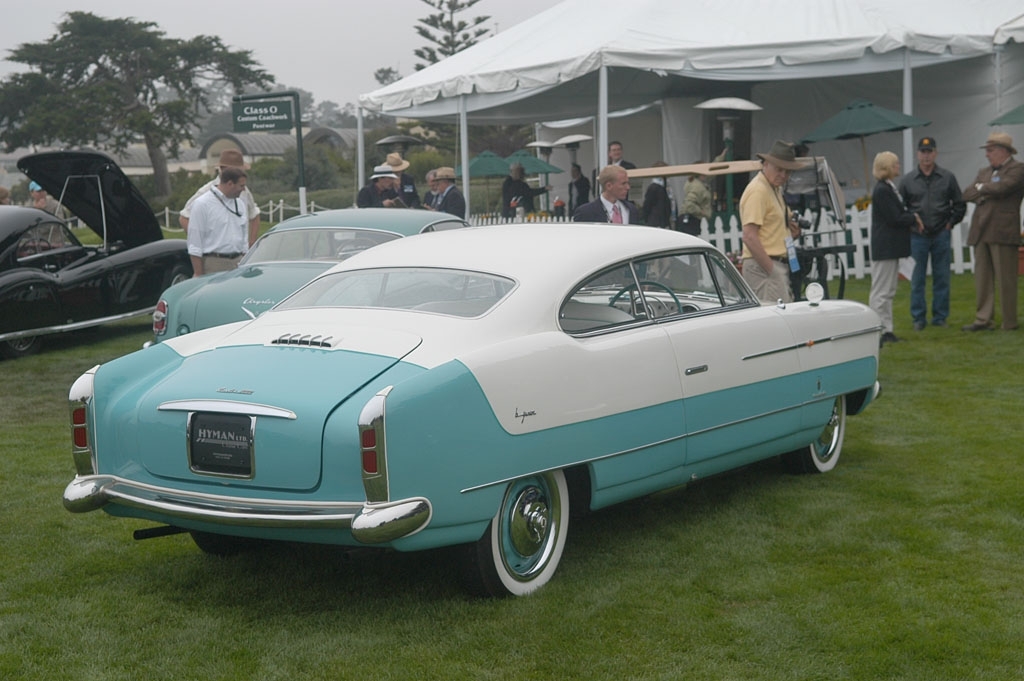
(1000, 139)
(445, 173)
(231, 158)
(395, 161)
(783, 155)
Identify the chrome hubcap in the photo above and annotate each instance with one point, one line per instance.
(529, 521)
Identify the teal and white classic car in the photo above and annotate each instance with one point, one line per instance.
(471, 387)
(282, 260)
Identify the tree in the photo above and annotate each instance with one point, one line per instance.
(109, 82)
(451, 35)
(386, 75)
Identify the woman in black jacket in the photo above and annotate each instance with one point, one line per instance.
(891, 223)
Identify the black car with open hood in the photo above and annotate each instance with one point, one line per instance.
(50, 282)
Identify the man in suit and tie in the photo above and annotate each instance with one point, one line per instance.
(615, 156)
(447, 197)
(612, 204)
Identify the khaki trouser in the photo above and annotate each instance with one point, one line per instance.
(996, 265)
(885, 276)
(213, 263)
(768, 286)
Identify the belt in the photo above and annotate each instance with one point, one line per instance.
(779, 258)
(226, 256)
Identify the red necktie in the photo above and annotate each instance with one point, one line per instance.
(616, 214)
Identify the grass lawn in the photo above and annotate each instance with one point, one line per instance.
(903, 563)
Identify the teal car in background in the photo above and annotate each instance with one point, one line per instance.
(282, 260)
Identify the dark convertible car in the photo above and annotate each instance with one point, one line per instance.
(50, 282)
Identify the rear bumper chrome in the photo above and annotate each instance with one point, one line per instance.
(369, 523)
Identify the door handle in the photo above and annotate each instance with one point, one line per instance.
(696, 370)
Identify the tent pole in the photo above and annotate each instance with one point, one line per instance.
(867, 175)
(464, 131)
(602, 117)
(360, 150)
(997, 65)
(908, 108)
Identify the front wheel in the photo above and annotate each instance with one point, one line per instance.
(523, 544)
(21, 347)
(822, 455)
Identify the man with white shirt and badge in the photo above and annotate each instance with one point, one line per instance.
(229, 158)
(218, 233)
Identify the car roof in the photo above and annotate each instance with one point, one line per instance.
(405, 222)
(555, 253)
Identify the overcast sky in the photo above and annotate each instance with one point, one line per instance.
(328, 47)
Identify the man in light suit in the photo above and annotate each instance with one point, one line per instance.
(612, 204)
(995, 232)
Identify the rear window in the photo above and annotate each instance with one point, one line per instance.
(325, 244)
(460, 293)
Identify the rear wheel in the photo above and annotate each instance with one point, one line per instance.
(179, 274)
(523, 544)
(21, 347)
(822, 455)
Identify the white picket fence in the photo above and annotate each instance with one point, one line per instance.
(275, 212)
(726, 238)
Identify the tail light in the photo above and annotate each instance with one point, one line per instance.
(372, 451)
(368, 440)
(160, 318)
(79, 397)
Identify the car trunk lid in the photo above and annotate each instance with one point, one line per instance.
(254, 415)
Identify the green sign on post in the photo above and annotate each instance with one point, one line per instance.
(259, 116)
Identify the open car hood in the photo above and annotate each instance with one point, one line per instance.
(80, 178)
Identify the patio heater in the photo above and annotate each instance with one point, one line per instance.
(726, 109)
(569, 142)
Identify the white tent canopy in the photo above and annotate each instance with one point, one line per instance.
(746, 40)
(586, 57)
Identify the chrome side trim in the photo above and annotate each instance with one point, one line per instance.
(228, 407)
(814, 341)
(60, 328)
(380, 523)
(91, 492)
(640, 448)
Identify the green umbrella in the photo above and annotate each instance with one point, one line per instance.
(859, 119)
(1011, 117)
(486, 164)
(531, 164)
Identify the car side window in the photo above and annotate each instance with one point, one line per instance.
(43, 237)
(605, 300)
(662, 286)
(687, 283)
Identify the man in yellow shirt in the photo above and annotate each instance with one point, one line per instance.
(766, 225)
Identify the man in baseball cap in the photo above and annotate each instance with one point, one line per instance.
(934, 194)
